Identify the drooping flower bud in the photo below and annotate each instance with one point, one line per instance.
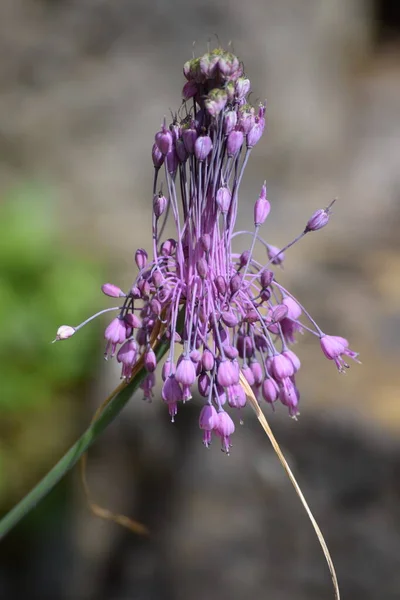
(275, 255)
(248, 374)
(261, 207)
(280, 367)
(202, 267)
(127, 355)
(266, 278)
(294, 310)
(289, 396)
(244, 258)
(195, 356)
(203, 385)
(208, 65)
(172, 161)
(230, 120)
(202, 147)
(220, 284)
(257, 371)
(115, 333)
(185, 372)
(228, 64)
(254, 135)
(132, 321)
(168, 247)
(181, 151)
(230, 351)
(164, 140)
(64, 332)
(109, 289)
(245, 346)
(334, 347)
(189, 137)
(270, 390)
(189, 90)
(234, 142)
(208, 420)
(155, 307)
(159, 204)
(207, 360)
(141, 258)
(246, 120)
(157, 156)
(208, 417)
(320, 218)
(158, 279)
(235, 283)
(236, 396)
(215, 102)
(167, 369)
(224, 429)
(294, 359)
(229, 319)
(205, 242)
(223, 198)
(242, 87)
(279, 312)
(227, 374)
(150, 360)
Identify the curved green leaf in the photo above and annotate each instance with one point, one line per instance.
(78, 449)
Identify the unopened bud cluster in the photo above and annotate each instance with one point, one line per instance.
(237, 317)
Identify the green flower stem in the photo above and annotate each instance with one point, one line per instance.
(80, 447)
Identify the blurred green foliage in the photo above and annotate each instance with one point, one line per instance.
(43, 284)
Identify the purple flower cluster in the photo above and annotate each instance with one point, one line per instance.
(237, 318)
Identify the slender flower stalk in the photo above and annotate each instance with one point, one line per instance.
(238, 321)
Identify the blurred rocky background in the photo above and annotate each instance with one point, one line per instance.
(84, 85)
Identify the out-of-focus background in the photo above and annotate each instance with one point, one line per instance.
(84, 85)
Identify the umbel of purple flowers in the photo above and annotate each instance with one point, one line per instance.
(237, 317)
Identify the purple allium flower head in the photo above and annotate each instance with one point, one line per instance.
(228, 312)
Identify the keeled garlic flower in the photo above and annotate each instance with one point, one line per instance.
(237, 317)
